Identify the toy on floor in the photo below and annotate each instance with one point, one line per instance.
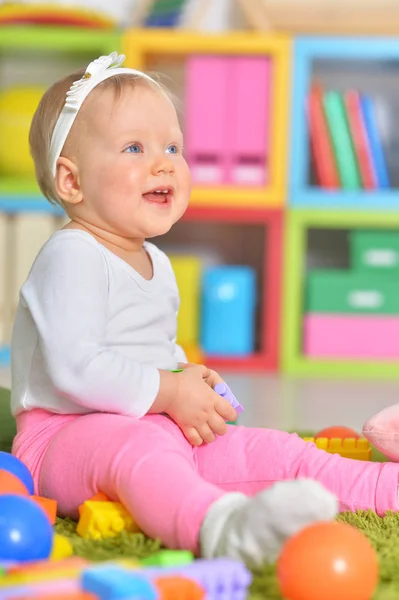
(99, 520)
(338, 431)
(328, 561)
(33, 561)
(61, 548)
(10, 484)
(25, 531)
(26, 520)
(358, 449)
(216, 579)
(10, 463)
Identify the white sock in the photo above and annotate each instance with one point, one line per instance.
(253, 529)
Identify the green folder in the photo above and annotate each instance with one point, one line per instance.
(338, 126)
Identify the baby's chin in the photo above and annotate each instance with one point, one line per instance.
(153, 232)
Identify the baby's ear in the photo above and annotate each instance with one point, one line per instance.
(67, 183)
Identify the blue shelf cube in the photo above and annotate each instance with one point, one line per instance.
(383, 52)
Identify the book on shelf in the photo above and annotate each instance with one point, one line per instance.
(342, 140)
(373, 133)
(361, 142)
(345, 140)
(320, 141)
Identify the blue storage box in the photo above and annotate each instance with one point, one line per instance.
(228, 310)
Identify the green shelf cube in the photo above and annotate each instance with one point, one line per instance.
(351, 292)
(375, 251)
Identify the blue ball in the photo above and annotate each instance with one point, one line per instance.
(25, 531)
(11, 463)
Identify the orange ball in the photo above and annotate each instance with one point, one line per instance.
(10, 484)
(327, 561)
(337, 431)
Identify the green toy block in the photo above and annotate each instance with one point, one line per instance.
(343, 291)
(168, 558)
(375, 251)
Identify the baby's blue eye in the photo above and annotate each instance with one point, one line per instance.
(172, 149)
(133, 148)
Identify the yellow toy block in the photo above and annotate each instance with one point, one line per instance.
(359, 449)
(99, 497)
(62, 547)
(100, 520)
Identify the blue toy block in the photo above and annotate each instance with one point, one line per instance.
(228, 310)
(306, 50)
(115, 583)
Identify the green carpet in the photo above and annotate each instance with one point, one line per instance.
(382, 532)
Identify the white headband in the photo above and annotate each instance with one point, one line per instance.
(100, 69)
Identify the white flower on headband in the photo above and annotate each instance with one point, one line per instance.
(95, 69)
(99, 70)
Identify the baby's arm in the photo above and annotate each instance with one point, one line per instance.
(67, 296)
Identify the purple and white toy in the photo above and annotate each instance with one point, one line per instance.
(223, 390)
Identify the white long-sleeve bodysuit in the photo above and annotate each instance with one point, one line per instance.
(91, 333)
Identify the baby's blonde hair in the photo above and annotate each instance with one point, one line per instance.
(47, 113)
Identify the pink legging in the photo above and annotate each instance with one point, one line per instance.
(167, 484)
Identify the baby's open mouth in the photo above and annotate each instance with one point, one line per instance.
(161, 195)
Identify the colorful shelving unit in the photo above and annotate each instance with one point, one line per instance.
(26, 219)
(255, 201)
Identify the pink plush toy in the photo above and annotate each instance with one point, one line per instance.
(382, 430)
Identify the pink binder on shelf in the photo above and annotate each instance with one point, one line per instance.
(205, 128)
(249, 120)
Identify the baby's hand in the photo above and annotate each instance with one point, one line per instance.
(199, 411)
(210, 376)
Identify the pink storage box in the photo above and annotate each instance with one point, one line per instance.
(248, 119)
(207, 97)
(351, 336)
(227, 119)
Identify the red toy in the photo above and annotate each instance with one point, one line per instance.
(337, 431)
(328, 561)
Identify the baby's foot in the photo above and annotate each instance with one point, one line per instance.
(382, 430)
(254, 529)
